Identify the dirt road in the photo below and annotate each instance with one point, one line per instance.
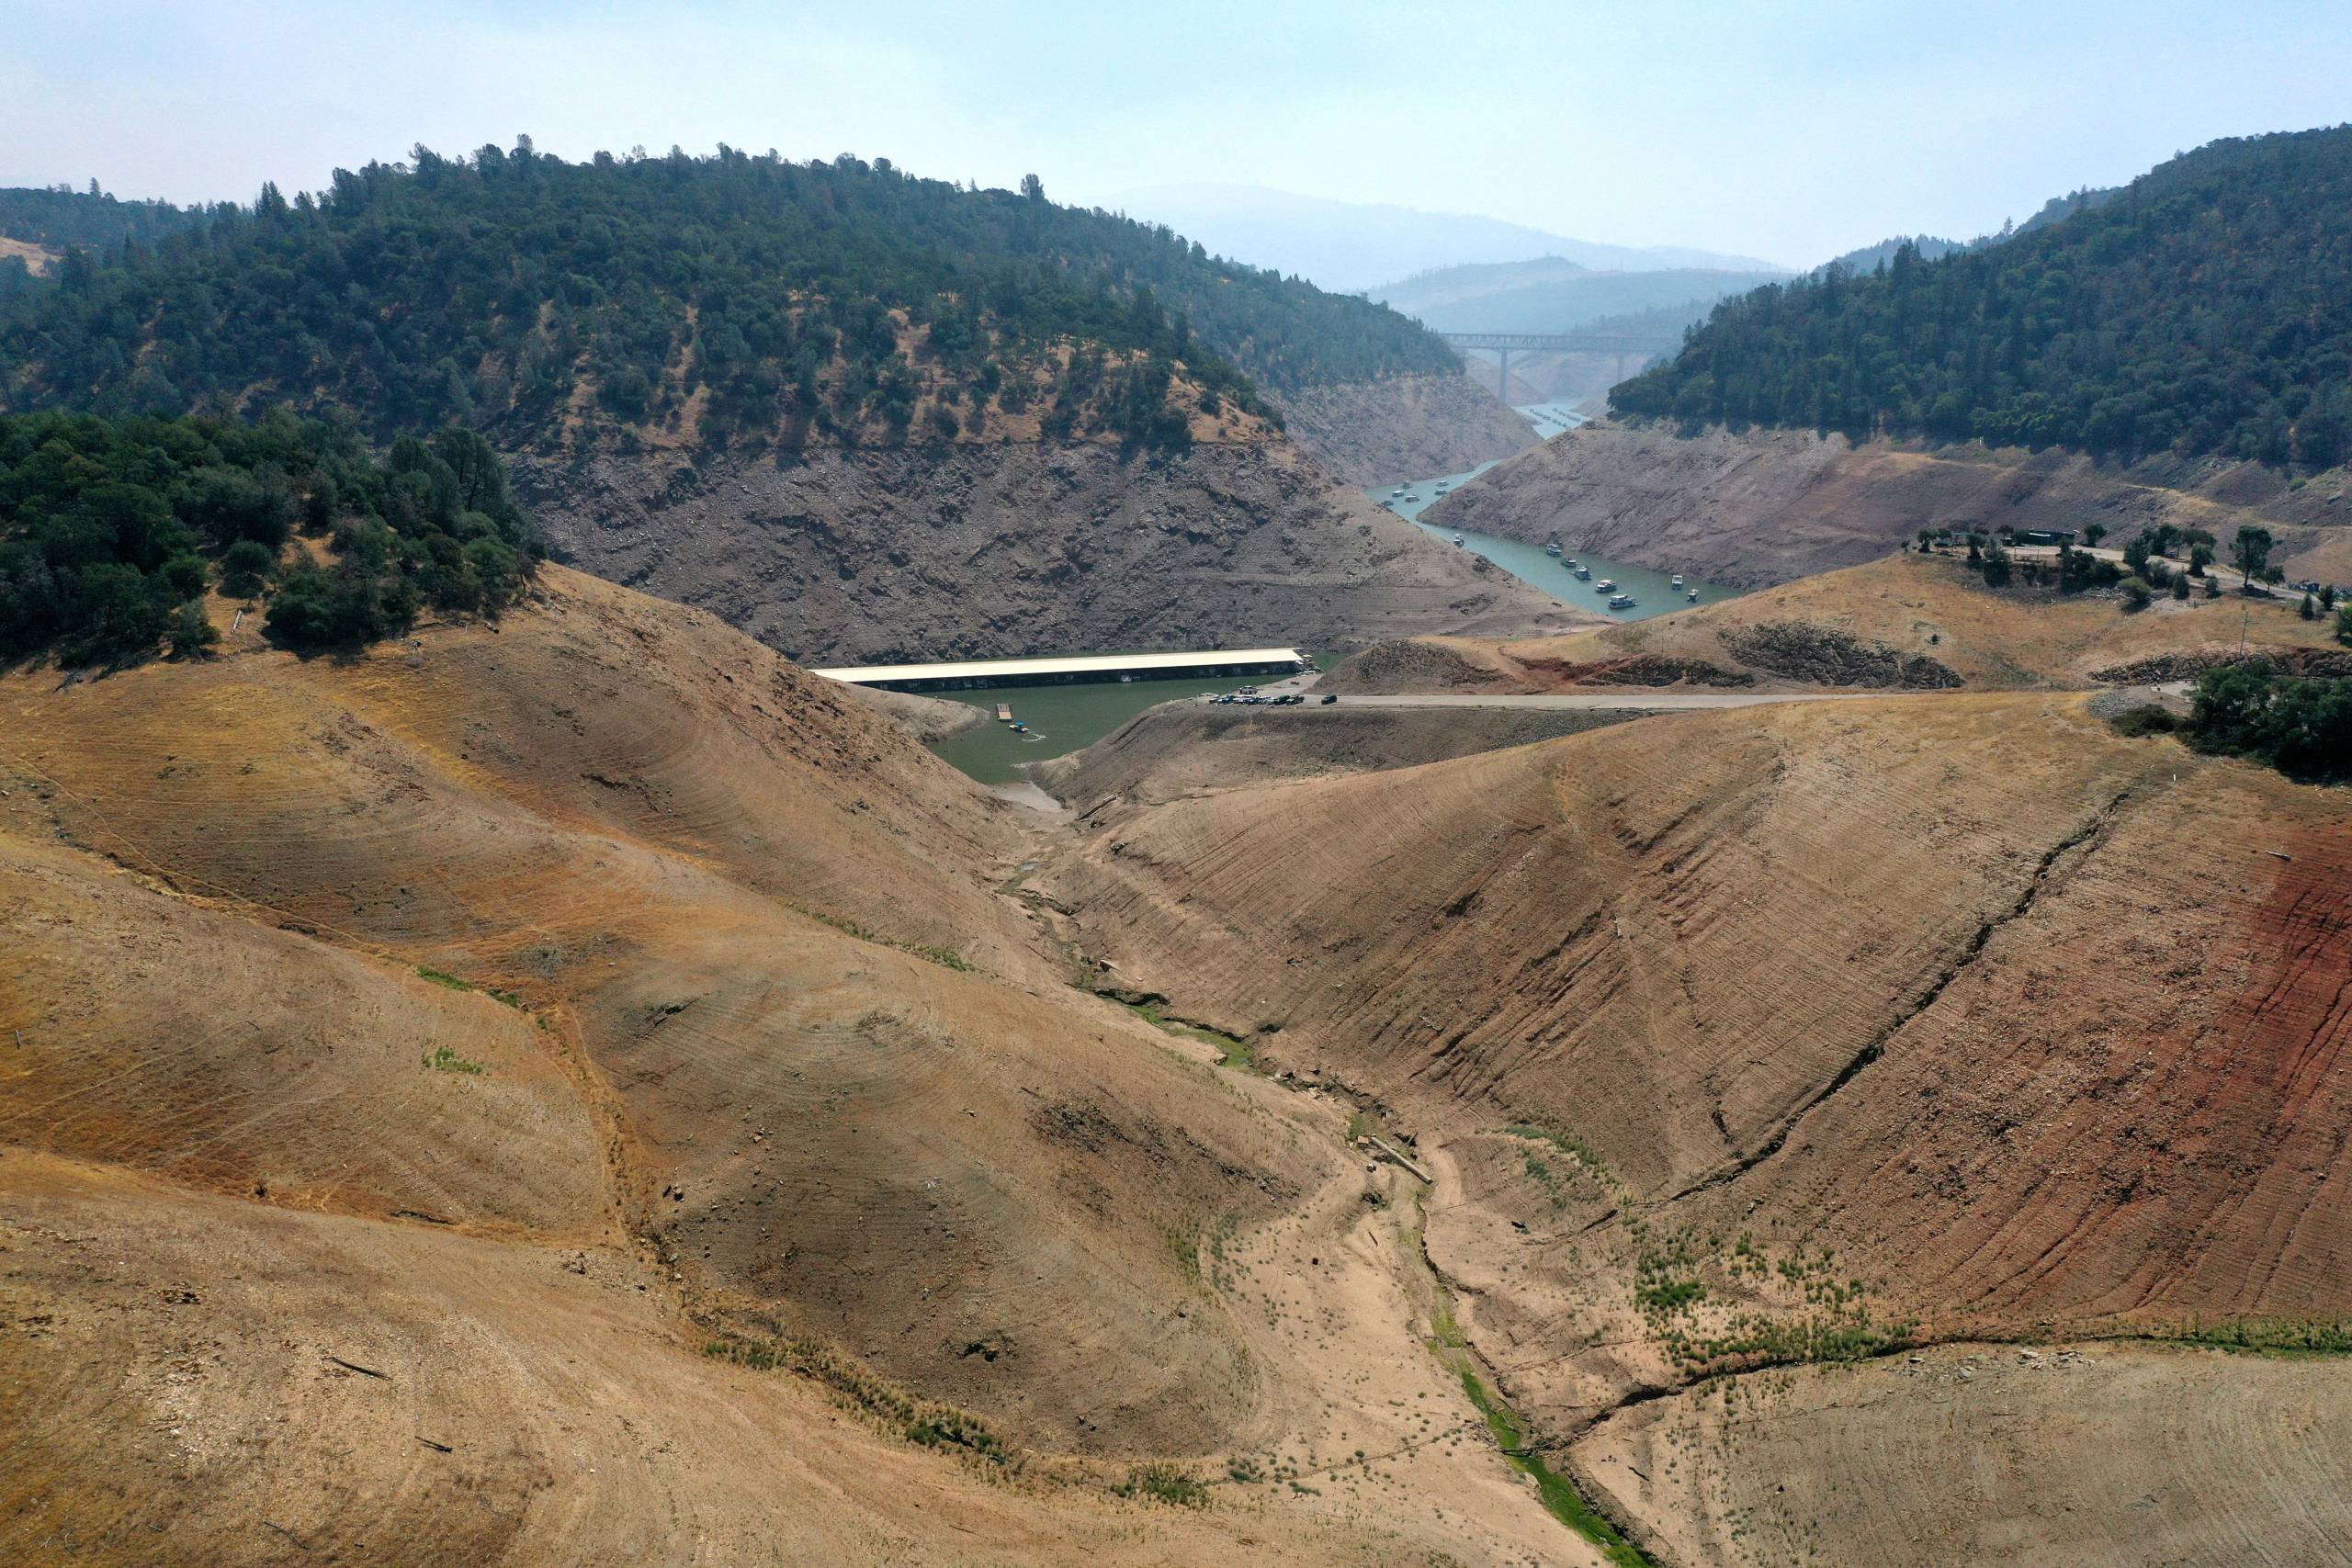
(1645, 701)
(1633, 699)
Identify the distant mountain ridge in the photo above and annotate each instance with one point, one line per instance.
(1552, 294)
(1352, 246)
(1870, 258)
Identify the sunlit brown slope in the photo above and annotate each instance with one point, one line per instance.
(620, 830)
(1904, 621)
(1178, 748)
(519, 1018)
(227, 1054)
(2099, 1455)
(178, 1387)
(2018, 1021)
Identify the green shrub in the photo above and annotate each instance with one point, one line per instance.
(2301, 726)
(2148, 718)
(1165, 1483)
(246, 567)
(192, 631)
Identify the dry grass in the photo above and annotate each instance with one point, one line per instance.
(1916, 606)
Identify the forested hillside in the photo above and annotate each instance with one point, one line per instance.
(40, 227)
(2204, 310)
(62, 218)
(733, 297)
(111, 531)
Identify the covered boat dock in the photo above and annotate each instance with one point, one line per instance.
(1216, 664)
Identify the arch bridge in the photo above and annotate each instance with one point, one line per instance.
(1504, 344)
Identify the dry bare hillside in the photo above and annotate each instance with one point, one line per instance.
(1179, 749)
(1768, 507)
(1904, 622)
(578, 1093)
(1802, 1031)
(966, 551)
(2091, 1456)
(38, 259)
(1406, 427)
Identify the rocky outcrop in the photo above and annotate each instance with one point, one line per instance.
(1408, 427)
(1826, 657)
(1767, 507)
(967, 551)
(2190, 663)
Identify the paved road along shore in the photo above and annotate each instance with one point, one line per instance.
(1647, 702)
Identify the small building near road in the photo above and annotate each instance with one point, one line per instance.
(2043, 536)
(1216, 664)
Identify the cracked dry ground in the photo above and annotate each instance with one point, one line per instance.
(1805, 1034)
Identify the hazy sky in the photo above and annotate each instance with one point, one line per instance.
(1790, 130)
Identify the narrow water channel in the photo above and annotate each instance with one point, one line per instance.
(1654, 593)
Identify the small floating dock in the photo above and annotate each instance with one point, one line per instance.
(1004, 713)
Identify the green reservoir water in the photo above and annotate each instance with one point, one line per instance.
(1654, 593)
(1061, 719)
(1066, 718)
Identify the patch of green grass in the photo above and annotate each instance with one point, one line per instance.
(1576, 1149)
(442, 1059)
(1663, 1296)
(922, 1421)
(1234, 1052)
(1165, 1483)
(1753, 1340)
(945, 957)
(1183, 1238)
(449, 982)
(2266, 1336)
(1560, 1497)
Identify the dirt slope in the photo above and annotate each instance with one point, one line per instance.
(1181, 749)
(1904, 621)
(2098, 1456)
(38, 259)
(521, 1018)
(1817, 1023)
(527, 1406)
(928, 719)
(1769, 507)
(973, 551)
(1408, 427)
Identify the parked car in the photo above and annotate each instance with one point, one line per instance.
(1330, 698)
